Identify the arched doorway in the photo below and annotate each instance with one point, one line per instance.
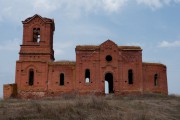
(109, 88)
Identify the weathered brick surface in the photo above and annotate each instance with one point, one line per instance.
(149, 70)
(9, 91)
(39, 57)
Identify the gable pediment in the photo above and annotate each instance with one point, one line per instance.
(108, 45)
(36, 18)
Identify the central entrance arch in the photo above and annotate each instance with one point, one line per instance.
(109, 83)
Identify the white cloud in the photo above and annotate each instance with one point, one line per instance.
(73, 8)
(113, 5)
(156, 4)
(45, 6)
(169, 44)
(135, 44)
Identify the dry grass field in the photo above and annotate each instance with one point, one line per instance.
(73, 107)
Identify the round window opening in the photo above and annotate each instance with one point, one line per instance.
(108, 58)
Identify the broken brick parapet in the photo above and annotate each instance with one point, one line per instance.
(9, 91)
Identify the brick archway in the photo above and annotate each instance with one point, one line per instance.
(109, 79)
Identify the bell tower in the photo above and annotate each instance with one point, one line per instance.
(36, 52)
(37, 39)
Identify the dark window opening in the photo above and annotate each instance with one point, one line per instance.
(87, 76)
(31, 77)
(108, 58)
(155, 79)
(130, 76)
(36, 35)
(61, 79)
(109, 79)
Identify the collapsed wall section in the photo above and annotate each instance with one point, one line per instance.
(9, 91)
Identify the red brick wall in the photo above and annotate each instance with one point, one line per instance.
(55, 69)
(109, 48)
(42, 50)
(40, 76)
(35, 56)
(149, 70)
(46, 78)
(131, 59)
(9, 91)
(94, 58)
(39, 57)
(87, 60)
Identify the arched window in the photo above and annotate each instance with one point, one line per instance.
(130, 76)
(155, 79)
(36, 35)
(61, 79)
(31, 77)
(87, 75)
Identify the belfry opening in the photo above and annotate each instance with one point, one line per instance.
(109, 83)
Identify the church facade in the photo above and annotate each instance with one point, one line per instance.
(120, 67)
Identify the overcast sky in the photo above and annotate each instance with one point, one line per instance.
(152, 24)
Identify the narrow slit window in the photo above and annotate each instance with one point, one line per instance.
(61, 79)
(36, 35)
(155, 79)
(87, 75)
(130, 76)
(31, 77)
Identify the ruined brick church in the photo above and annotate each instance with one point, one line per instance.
(121, 67)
